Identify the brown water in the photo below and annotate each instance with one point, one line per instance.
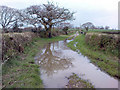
(57, 62)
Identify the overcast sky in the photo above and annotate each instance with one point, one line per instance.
(99, 12)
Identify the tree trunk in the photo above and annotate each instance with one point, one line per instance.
(86, 29)
(48, 32)
(3, 28)
(50, 35)
(66, 33)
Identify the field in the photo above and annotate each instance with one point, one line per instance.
(96, 30)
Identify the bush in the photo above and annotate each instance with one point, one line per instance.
(13, 44)
(104, 42)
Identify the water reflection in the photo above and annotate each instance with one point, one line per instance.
(52, 60)
(57, 61)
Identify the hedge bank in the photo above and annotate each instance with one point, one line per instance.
(104, 42)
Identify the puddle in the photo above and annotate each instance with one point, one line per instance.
(57, 62)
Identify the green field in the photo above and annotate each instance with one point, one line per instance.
(96, 30)
(100, 30)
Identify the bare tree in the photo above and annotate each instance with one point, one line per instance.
(48, 15)
(107, 27)
(88, 25)
(101, 27)
(64, 26)
(7, 17)
(28, 18)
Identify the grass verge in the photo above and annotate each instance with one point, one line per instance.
(76, 82)
(21, 71)
(106, 62)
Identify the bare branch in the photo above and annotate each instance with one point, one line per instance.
(7, 16)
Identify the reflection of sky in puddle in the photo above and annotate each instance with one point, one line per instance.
(57, 62)
(52, 60)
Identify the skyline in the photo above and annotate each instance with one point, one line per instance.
(99, 12)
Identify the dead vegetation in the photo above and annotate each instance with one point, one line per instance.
(13, 44)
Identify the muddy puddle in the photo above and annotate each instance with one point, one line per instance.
(57, 62)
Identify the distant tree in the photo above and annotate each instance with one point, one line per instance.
(107, 27)
(65, 29)
(48, 15)
(87, 25)
(64, 24)
(7, 17)
(15, 27)
(101, 27)
(93, 27)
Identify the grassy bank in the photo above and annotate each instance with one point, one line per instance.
(106, 61)
(77, 82)
(96, 30)
(107, 43)
(21, 71)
